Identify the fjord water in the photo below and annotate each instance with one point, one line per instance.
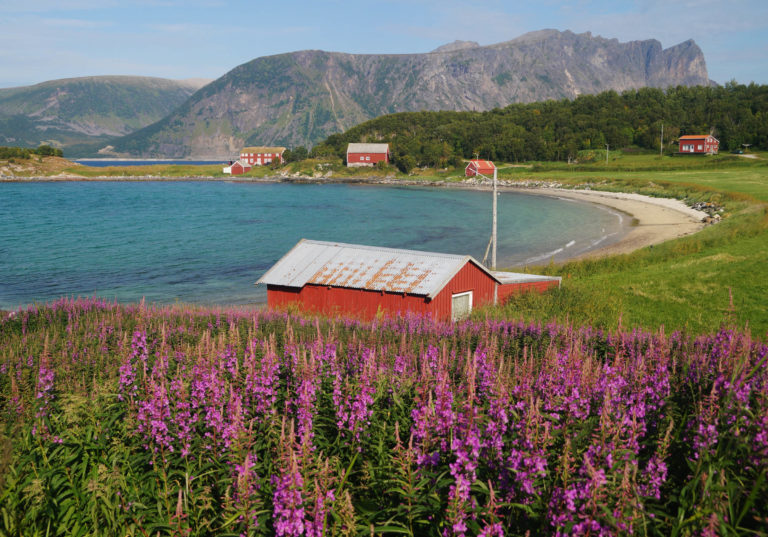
(208, 242)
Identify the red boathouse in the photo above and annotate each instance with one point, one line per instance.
(366, 154)
(361, 281)
(701, 144)
(238, 167)
(477, 166)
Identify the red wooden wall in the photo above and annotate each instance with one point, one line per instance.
(354, 158)
(512, 288)
(366, 304)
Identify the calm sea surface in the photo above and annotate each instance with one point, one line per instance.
(207, 243)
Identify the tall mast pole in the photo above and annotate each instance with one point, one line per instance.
(661, 143)
(493, 232)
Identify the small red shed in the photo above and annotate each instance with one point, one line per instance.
(366, 154)
(702, 144)
(238, 167)
(477, 166)
(357, 280)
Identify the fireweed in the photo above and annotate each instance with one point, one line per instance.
(212, 421)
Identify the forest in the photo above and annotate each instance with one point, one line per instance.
(735, 114)
(24, 153)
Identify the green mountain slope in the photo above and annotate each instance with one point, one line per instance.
(300, 98)
(82, 110)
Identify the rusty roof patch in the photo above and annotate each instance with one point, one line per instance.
(366, 267)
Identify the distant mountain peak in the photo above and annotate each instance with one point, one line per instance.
(457, 45)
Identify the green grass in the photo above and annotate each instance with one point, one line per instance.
(696, 283)
(157, 170)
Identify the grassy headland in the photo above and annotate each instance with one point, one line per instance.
(694, 283)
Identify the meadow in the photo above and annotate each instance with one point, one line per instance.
(139, 420)
(634, 400)
(691, 283)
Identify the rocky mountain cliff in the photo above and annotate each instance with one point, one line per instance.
(81, 110)
(300, 98)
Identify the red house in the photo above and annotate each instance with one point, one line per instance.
(366, 154)
(702, 144)
(261, 155)
(361, 281)
(477, 166)
(238, 167)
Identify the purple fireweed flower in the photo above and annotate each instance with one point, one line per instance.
(288, 512)
(153, 416)
(353, 400)
(466, 447)
(44, 395)
(261, 380)
(246, 486)
(139, 349)
(316, 526)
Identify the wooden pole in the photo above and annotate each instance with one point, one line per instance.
(661, 143)
(493, 233)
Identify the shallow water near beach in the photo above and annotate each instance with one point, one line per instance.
(208, 242)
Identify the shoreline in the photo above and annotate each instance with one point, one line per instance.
(654, 220)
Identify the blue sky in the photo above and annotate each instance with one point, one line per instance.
(49, 39)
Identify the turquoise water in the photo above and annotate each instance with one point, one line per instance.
(208, 242)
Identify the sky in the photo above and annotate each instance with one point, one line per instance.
(44, 40)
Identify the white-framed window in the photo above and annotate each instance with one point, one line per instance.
(362, 157)
(701, 147)
(461, 305)
(367, 158)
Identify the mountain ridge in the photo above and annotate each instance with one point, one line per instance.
(299, 98)
(75, 110)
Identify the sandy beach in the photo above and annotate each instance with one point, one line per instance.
(656, 219)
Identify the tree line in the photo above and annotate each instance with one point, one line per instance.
(26, 153)
(735, 114)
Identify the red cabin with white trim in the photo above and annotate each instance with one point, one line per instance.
(478, 166)
(702, 144)
(261, 155)
(366, 154)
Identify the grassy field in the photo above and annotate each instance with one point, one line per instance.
(695, 283)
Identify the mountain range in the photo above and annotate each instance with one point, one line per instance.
(299, 98)
(87, 110)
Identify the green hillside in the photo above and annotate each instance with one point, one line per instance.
(570, 129)
(86, 110)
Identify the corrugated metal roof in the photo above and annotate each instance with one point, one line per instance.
(366, 267)
(482, 164)
(506, 278)
(696, 136)
(367, 148)
(262, 149)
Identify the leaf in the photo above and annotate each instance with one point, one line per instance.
(391, 529)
